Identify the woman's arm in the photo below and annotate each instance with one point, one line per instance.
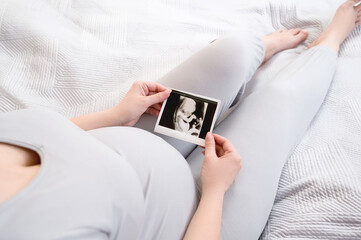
(106, 118)
(220, 167)
(206, 222)
(142, 97)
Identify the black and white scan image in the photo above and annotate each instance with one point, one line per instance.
(187, 116)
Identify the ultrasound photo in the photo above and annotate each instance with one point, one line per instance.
(187, 116)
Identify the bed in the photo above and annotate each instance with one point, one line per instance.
(76, 57)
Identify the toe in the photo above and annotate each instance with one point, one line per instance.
(301, 36)
(295, 31)
(312, 44)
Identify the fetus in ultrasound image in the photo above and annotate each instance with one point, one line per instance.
(189, 115)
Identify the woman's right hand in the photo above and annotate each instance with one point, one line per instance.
(221, 165)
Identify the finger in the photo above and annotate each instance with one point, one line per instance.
(358, 20)
(152, 111)
(152, 93)
(155, 87)
(158, 98)
(224, 143)
(219, 151)
(210, 146)
(157, 106)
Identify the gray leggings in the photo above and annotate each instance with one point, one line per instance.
(265, 128)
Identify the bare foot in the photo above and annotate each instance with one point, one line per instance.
(282, 40)
(346, 19)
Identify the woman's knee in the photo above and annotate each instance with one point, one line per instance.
(230, 50)
(238, 50)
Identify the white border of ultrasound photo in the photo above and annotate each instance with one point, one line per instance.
(186, 136)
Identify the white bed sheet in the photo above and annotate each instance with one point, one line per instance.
(81, 56)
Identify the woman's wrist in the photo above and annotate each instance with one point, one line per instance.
(105, 118)
(214, 193)
(116, 115)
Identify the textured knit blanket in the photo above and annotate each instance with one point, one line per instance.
(81, 56)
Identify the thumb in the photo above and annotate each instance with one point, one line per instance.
(159, 97)
(210, 146)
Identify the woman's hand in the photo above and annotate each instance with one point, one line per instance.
(221, 164)
(220, 167)
(142, 97)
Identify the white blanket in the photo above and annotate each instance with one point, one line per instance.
(81, 56)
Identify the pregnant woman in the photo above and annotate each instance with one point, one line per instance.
(58, 181)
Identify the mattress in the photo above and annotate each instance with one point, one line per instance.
(77, 57)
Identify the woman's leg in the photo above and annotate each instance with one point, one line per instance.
(266, 127)
(221, 71)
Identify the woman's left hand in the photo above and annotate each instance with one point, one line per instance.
(142, 97)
